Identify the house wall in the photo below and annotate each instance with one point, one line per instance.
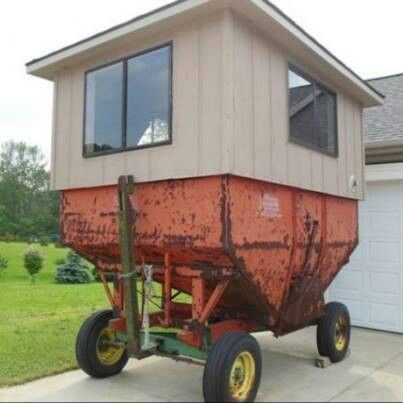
(230, 115)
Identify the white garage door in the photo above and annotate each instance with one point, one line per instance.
(371, 285)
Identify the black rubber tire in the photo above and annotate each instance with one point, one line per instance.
(326, 331)
(86, 345)
(219, 364)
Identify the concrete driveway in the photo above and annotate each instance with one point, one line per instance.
(373, 372)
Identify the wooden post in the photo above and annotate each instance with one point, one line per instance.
(126, 222)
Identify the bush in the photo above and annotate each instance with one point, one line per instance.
(7, 237)
(3, 264)
(43, 240)
(60, 261)
(30, 240)
(54, 238)
(109, 276)
(74, 271)
(33, 262)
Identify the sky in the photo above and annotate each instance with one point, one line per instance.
(364, 34)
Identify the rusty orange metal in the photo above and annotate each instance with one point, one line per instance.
(245, 250)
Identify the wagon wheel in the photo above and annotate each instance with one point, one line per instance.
(233, 369)
(333, 332)
(97, 351)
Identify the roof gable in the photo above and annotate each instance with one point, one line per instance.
(262, 12)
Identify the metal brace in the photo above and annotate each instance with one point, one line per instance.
(128, 275)
(131, 274)
(148, 294)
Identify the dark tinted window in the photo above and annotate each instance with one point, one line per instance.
(313, 113)
(302, 111)
(148, 98)
(103, 109)
(128, 104)
(327, 120)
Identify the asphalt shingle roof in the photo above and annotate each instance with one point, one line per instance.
(385, 123)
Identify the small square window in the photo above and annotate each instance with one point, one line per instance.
(312, 113)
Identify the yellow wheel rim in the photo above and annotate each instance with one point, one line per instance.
(242, 376)
(107, 353)
(341, 333)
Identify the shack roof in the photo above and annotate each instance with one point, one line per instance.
(263, 13)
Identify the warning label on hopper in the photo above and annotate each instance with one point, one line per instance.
(270, 207)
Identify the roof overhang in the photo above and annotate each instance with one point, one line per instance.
(263, 14)
(384, 172)
(383, 152)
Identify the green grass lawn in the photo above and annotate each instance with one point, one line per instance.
(39, 322)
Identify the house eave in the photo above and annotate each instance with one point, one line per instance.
(384, 152)
(48, 65)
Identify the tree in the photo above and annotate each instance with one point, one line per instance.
(74, 271)
(2, 216)
(29, 207)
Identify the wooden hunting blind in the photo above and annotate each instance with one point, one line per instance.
(238, 142)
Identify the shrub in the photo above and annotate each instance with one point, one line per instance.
(43, 240)
(33, 262)
(30, 240)
(54, 238)
(3, 264)
(74, 271)
(60, 261)
(7, 237)
(109, 276)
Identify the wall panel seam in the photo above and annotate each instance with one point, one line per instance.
(54, 132)
(70, 126)
(200, 164)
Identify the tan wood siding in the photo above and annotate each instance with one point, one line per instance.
(210, 81)
(279, 120)
(230, 115)
(197, 114)
(262, 110)
(227, 75)
(54, 132)
(62, 157)
(243, 106)
(342, 141)
(262, 146)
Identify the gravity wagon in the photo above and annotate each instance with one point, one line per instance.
(209, 156)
